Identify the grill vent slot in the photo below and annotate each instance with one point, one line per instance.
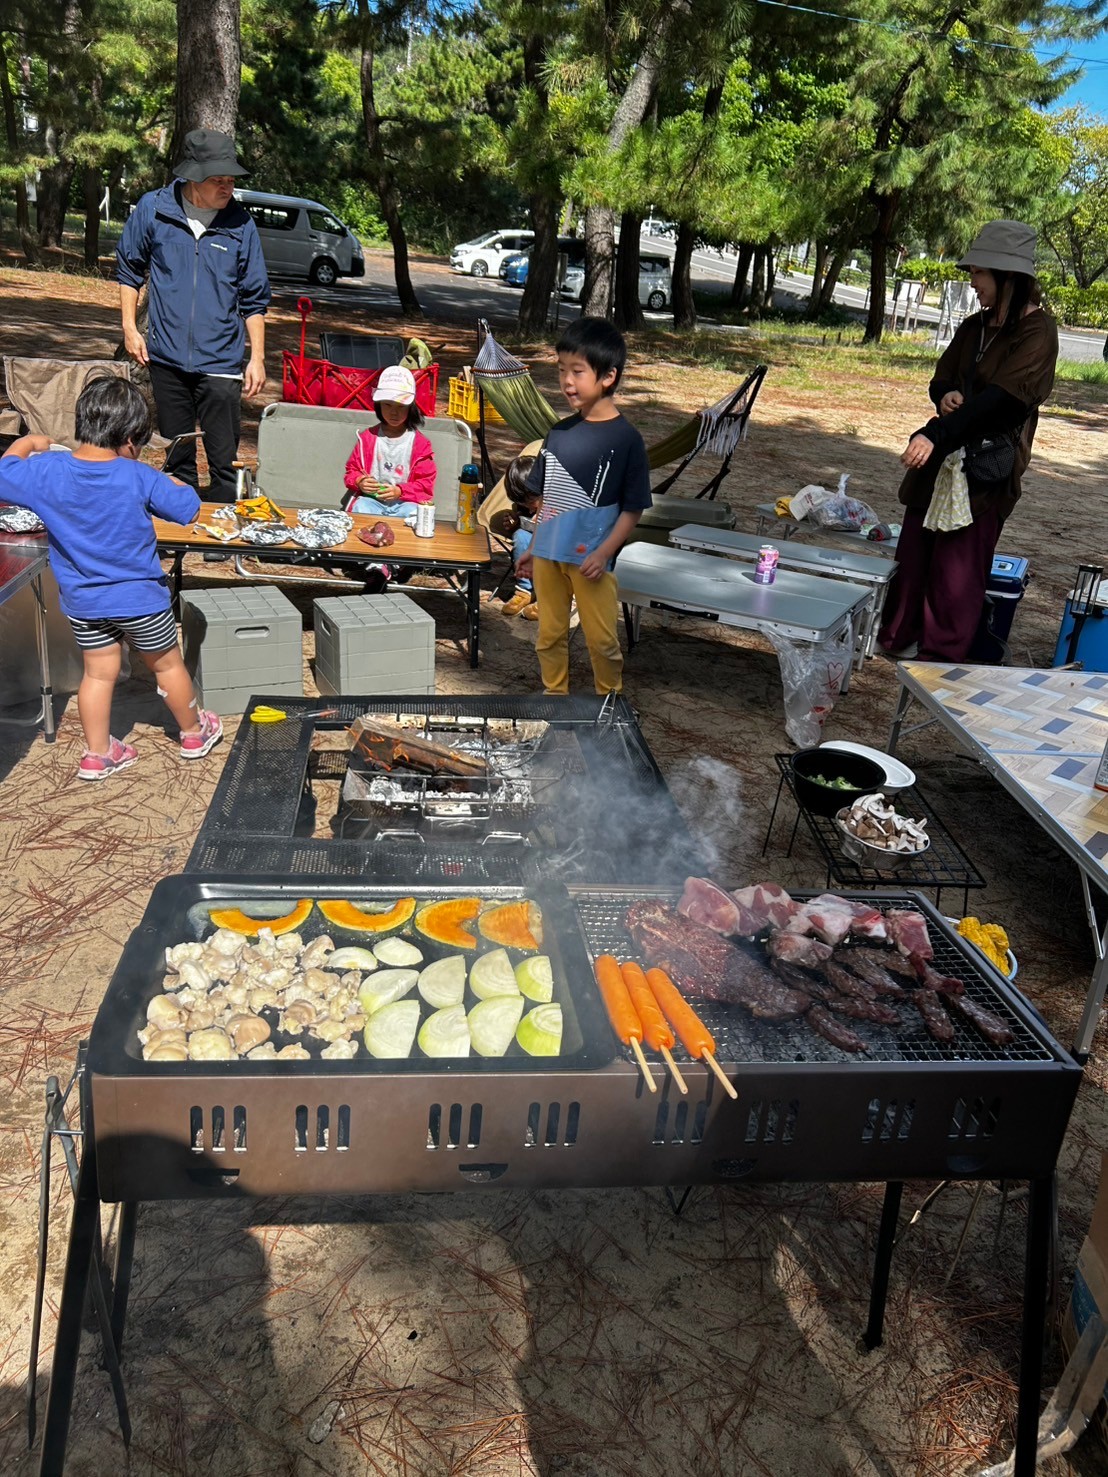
(550, 1133)
(343, 1127)
(322, 1127)
(771, 1121)
(300, 1137)
(196, 1130)
(974, 1118)
(455, 1115)
(888, 1122)
(239, 1121)
(701, 1118)
(219, 1122)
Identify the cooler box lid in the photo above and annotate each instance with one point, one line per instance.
(1009, 574)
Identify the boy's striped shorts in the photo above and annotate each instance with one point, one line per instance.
(156, 632)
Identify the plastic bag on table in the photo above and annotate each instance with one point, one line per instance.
(842, 512)
(812, 676)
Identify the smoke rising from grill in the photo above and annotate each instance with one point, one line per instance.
(709, 795)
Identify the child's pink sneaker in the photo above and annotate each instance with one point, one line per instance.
(100, 766)
(196, 745)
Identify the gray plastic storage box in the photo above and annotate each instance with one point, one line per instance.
(373, 644)
(240, 641)
(669, 512)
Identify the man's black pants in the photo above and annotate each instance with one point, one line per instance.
(216, 403)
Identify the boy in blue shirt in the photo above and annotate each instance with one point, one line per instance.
(97, 505)
(594, 479)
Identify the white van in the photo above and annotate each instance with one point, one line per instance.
(301, 238)
(655, 282)
(482, 258)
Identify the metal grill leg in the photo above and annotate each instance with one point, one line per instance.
(121, 1274)
(882, 1263)
(1034, 1325)
(67, 1345)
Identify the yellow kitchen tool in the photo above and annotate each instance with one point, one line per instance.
(265, 714)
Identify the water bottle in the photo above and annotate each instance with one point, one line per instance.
(765, 571)
(469, 485)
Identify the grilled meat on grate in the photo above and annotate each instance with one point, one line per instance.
(939, 1025)
(872, 967)
(991, 1026)
(822, 1021)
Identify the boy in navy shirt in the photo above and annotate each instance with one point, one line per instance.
(594, 479)
(97, 505)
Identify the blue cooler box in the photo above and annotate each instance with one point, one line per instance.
(1004, 590)
(1092, 640)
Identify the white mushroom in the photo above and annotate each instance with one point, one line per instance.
(294, 1053)
(290, 943)
(218, 966)
(339, 1050)
(211, 1046)
(264, 1053)
(301, 990)
(316, 953)
(262, 996)
(152, 1037)
(296, 1017)
(237, 994)
(226, 941)
(247, 1032)
(275, 976)
(170, 1051)
(201, 1016)
(164, 1011)
(194, 975)
(329, 1030)
(320, 982)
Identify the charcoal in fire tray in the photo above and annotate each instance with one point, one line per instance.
(388, 747)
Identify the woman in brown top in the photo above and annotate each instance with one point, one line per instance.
(991, 380)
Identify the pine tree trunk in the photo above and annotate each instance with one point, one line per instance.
(596, 294)
(53, 197)
(757, 282)
(684, 308)
(769, 278)
(887, 206)
(831, 280)
(380, 173)
(209, 69)
(628, 310)
(92, 189)
(11, 135)
(742, 272)
(542, 268)
(817, 279)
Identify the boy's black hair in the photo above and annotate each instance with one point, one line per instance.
(515, 482)
(599, 343)
(111, 412)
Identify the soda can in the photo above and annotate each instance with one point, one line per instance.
(765, 571)
(425, 520)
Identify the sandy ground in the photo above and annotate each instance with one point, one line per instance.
(583, 1334)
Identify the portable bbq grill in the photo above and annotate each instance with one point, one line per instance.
(806, 1111)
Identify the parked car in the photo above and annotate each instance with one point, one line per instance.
(513, 269)
(302, 238)
(655, 282)
(484, 255)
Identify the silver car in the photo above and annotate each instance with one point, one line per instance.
(301, 238)
(655, 282)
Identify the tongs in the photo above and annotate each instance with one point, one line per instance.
(608, 718)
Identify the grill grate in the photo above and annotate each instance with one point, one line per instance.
(740, 1038)
(390, 862)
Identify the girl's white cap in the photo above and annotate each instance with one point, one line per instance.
(396, 384)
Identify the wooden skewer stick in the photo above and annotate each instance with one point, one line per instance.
(675, 1072)
(720, 1073)
(643, 1068)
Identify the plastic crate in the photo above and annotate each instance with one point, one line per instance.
(319, 382)
(464, 404)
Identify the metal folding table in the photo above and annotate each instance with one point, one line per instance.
(841, 564)
(23, 561)
(456, 558)
(798, 607)
(1040, 734)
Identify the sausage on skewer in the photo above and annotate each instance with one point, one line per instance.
(621, 1011)
(656, 1030)
(697, 1040)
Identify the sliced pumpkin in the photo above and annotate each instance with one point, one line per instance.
(442, 922)
(344, 914)
(515, 925)
(239, 922)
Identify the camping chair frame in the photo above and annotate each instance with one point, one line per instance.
(737, 414)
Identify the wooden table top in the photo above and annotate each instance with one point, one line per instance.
(446, 546)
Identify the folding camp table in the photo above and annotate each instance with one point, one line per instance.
(798, 607)
(840, 564)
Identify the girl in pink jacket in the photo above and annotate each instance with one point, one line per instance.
(392, 467)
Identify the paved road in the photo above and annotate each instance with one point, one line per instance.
(452, 296)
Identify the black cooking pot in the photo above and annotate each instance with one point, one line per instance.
(863, 777)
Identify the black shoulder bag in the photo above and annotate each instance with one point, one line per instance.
(990, 458)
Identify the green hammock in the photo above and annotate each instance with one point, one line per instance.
(507, 382)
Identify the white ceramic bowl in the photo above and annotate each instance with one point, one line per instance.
(897, 776)
(1013, 962)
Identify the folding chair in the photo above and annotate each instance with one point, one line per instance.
(361, 350)
(498, 501)
(45, 391)
(722, 427)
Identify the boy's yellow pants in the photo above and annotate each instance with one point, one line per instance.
(556, 586)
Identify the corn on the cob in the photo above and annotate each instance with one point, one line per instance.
(990, 938)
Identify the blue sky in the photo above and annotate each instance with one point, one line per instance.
(1092, 90)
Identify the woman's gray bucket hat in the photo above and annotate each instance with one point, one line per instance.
(1003, 246)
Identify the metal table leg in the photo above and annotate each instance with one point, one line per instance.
(45, 686)
(902, 704)
(473, 606)
(1095, 998)
(882, 1263)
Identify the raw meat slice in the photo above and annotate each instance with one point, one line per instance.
(908, 931)
(796, 948)
(765, 905)
(704, 902)
(829, 918)
(943, 984)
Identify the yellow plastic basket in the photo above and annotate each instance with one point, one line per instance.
(464, 406)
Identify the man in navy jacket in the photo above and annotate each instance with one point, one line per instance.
(208, 295)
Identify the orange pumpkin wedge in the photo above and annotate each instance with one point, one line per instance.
(344, 914)
(238, 922)
(442, 922)
(514, 925)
